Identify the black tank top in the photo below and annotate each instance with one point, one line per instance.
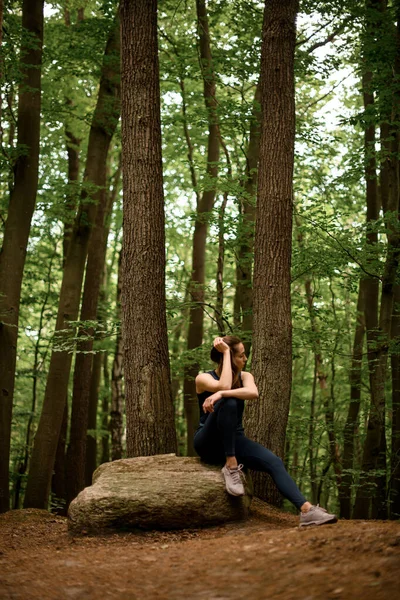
(201, 397)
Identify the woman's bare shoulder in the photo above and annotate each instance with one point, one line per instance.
(205, 382)
(245, 375)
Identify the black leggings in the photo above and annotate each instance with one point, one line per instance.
(222, 435)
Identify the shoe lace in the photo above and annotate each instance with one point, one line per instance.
(320, 508)
(237, 474)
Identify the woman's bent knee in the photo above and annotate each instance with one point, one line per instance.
(229, 404)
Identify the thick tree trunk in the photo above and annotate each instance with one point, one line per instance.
(205, 205)
(104, 122)
(17, 227)
(351, 425)
(272, 338)
(149, 408)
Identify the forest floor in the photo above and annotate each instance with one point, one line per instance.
(265, 557)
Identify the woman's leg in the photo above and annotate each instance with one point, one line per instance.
(256, 457)
(218, 434)
(217, 437)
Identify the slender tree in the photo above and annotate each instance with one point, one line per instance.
(117, 398)
(17, 227)
(395, 449)
(76, 453)
(351, 425)
(374, 442)
(149, 408)
(103, 125)
(244, 276)
(205, 203)
(272, 335)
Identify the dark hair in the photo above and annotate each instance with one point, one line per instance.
(218, 357)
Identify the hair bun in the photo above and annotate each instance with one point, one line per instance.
(215, 355)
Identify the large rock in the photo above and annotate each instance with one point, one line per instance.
(156, 492)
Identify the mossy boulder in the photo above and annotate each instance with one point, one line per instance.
(156, 492)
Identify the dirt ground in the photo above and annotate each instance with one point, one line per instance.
(265, 557)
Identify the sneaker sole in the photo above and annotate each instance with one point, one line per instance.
(330, 520)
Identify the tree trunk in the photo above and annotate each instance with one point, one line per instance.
(104, 122)
(351, 425)
(244, 288)
(371, 284)
(322, 375)
(149, 408)
(91, 438)
(58, 481)
(311, 439)
(376, 420)
(105, 410)
(17, 227)
(272, 337)
(58, 478)
(205, 205)
(117, 396)
(219, 305)
(395, 453)
(72, 145)
(76, 453)
(37, 367)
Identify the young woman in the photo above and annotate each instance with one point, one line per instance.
(220, 436)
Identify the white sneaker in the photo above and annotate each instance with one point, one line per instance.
(233, 481)
(316, 516)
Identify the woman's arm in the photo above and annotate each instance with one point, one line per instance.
(249, 391)
(206, 382)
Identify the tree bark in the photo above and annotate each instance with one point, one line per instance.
(272, 338)
(149, 408)
(17, 227)
(104, 122)
(205, 204)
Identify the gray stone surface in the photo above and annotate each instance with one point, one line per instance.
(156, 492)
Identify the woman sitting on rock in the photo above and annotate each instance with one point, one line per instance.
(220, 436)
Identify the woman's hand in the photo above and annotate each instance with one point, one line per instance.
(208, 404)
(220, 345)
